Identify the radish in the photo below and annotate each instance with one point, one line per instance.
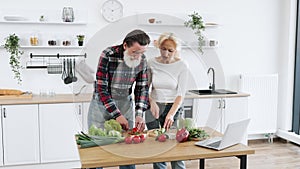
(128, 140)
(162, 138)
(136, 139)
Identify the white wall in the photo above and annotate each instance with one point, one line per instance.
(253, 36)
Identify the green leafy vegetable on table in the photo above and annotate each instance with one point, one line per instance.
(99, 137)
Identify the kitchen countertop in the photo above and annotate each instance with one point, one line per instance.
(71, 98)
(58, 98)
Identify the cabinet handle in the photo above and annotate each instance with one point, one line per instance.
(79, 111)
(4, 112)
(224, 104)
(219, 105)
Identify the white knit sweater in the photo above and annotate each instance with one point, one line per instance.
(168, 80)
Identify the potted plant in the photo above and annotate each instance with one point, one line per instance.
(80, 39)
(196, 23)
(12, 47)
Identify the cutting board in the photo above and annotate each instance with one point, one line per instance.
(22, 96)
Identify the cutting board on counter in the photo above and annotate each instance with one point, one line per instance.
(22, 96)
(14, 94)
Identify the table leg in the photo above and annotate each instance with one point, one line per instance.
(243, 162)
(201, 163)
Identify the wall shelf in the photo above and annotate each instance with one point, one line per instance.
(52, 47)
(43, 23)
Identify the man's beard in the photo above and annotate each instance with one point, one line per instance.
(130, 61)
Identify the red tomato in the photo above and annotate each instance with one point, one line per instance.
(136, 139)
(128, 140)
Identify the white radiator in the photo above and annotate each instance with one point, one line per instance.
(262, 103)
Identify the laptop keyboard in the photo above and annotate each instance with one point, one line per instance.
(215, 144)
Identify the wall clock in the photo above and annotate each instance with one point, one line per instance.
(112, 10)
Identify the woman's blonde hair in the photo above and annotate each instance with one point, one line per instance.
(168, 36)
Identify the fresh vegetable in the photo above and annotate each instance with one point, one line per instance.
(161, 138)
(112, 124)
(93, 130)
(85, 140)
(142, 137)
(136, 139)
(182, 135)
(196, 133)
(160, 131)
(114, 133)
(128, 140)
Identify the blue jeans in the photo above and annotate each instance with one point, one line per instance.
(97, 115)
(152, 123)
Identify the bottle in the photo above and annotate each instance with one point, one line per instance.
(180, 121)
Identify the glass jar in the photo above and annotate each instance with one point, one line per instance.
(34, 41)
(68, 14)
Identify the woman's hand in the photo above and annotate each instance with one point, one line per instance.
(169, 121)
(154, 109)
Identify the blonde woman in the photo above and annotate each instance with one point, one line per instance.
(168, 76)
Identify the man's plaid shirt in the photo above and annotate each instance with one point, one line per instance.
(115, 80)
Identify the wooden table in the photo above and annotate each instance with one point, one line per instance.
(153, 151)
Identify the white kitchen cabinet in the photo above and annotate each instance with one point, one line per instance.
(217, 113)
(1, 148)
(20, 129)
(58, 125)
(81, 110)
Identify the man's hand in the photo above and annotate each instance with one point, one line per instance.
(124, 123)
(139, 123)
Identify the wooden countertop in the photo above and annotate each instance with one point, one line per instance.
(58, 98)
(153, 151)
(71, 98)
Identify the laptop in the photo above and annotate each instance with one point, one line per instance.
(233, 135)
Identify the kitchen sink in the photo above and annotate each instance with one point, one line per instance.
(210, 92)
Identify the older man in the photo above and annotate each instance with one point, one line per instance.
(119, 68)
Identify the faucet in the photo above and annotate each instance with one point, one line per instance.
(212, 86)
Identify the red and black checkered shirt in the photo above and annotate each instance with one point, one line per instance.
(115, 80)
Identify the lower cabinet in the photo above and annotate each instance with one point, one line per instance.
(20, 127)
(1, 148)
(58, 125)
(217, 113)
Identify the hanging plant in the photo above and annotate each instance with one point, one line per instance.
(12, 47)
(196, 23)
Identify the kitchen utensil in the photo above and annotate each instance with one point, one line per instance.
(54, 69)
(157, 120)
(74, 79)
(64, 73)
(68, 79)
